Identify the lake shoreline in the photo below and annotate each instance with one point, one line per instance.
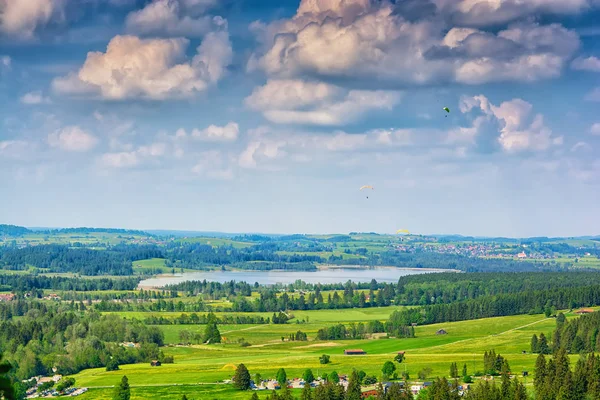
(362, 267)
(325, 274)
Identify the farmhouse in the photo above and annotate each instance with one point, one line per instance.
(354, 352)
(7, 296)
(155, 363)
(584, 311)
(522, 255)
(441, 332)
(415, 389)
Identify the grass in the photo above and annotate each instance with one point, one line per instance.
(332, 316)
(198, 368)
(152, 265)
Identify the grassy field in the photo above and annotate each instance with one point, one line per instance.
(152, 265)
(198, 368)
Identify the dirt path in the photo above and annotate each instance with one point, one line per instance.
(520, 327)
(243, 329)
(479, 338)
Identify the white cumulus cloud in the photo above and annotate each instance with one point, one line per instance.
(172, 18)
(214, 133)
(492, 12)
(595, 128)
(586, 64)
(518, 129)
(72, 138)
(379, 43)
(33, 98)
(19, 19)
(150, 68)
(303, 102)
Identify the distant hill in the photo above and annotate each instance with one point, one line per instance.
(16, 231)
(13, 230)
(88, 230)
(165, 232)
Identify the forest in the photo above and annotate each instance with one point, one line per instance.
(55, 336)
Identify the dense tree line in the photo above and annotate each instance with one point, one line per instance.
(115, 260)
(500, 305)
(554, 379)
(85, 230)
(577, 335)
(25, 283)
(350, 331)
(13, 230)
(441, 288)
(194, 319)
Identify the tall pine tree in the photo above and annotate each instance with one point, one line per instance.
(122, 391)
(241, 378)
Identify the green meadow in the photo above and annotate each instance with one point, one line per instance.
(199, 370)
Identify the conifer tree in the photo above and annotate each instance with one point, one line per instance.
(543, 345)
(353, 391)
(306, 392)
(122, 391)
(308, 376)
(241, 378)
(535, 347)
(282, 377)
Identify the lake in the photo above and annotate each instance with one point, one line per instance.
(324, 275)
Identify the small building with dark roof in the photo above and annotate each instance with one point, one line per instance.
(354, 352)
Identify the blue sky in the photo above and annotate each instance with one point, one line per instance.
(268, 116)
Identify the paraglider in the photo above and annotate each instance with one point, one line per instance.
(403, 231)
(447, 110)
(367, 187)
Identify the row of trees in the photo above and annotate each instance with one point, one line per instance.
(29, 283)
(351, 331)
(500, 305)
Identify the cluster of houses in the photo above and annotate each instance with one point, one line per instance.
(37, 381)
(473, 250)
(371, 390)
(296, 383)
(11, 296)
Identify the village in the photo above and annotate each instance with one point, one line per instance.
(367, 390)
(56, 385)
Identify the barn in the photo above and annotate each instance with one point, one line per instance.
(354, 352)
